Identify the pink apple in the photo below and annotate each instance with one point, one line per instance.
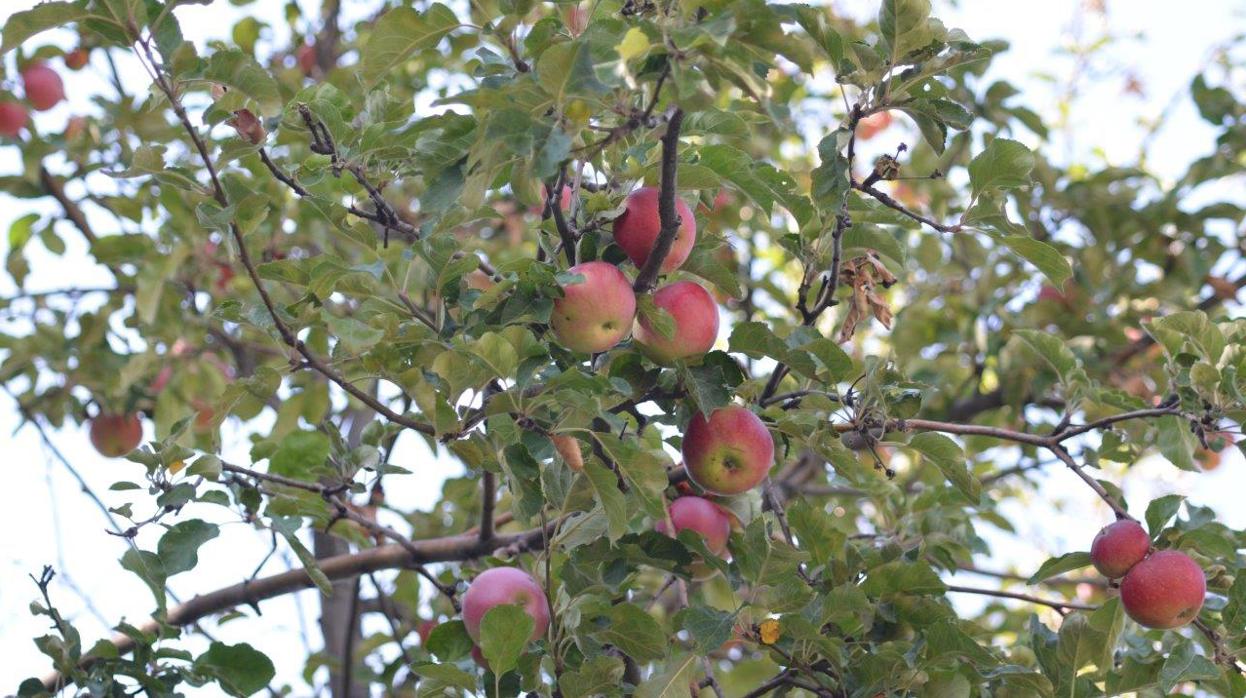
(1165, 590)
(115, 435)
(500, 586)
(729, 453)
(1118, 547)
(597, 313)
(636, 230)
(12, 119)
(306, 58)
(43, 86)
(703, 516)
(696, 324)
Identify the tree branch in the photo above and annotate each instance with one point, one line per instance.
(457, 548)
(1058, 605)
(667, 213)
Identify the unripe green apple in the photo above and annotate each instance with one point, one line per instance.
(728, 453)
(1164, 591)
(1118, 547)
(696, 324)
(636, 230)
(597, 313)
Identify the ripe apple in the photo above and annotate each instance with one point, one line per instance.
(1210, 458)
(306, 57)
(597, 313)
(115, 435)
(1165, 590)
(12, 119)
(478, 656)
(569, 448)
(696, 324)
(76, 59)
(729, 453)
(43, 86)
(872, 125)
(505, 585)
(425, 628)
(636, 230)
(1118, 547)
(701, 515)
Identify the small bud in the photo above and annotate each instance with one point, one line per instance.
(248, 126)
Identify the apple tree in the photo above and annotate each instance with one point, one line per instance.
(745, 322)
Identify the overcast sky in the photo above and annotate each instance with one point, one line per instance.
(48, 521)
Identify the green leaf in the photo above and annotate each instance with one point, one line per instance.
(1056, 353)
(401, 32)
(950, 460)
(709, 384)
(310, 565)
(709, 627)
(1185, 664)
(1046, 258)
(240, 72)
(1059, 565)
(1005, 164)
(179, 546)
(504, 632)
(636, 633)
(1176, 442)
(671, 683)
(613, 503)
(654, 317)
(900, 577)
(449, 641)
(903, 27)
(240, 669)
(816, 531)
(598, 676)
(42, 17)
(1160, 511)
(301, 456)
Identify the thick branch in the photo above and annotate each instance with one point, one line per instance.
(667, 213)
(450, 549)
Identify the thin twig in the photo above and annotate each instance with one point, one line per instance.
(1053, 603)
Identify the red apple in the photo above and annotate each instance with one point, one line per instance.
(1165, 590)
(12, 119)
(636, 230)
(872, 125)
(729, 453)
(425, 628)
(76, 59)
(306, 57)
(569, 448)
(696, 324)
(1118, 547)
(505, 585)
(703, 516)
(478, 656)
(597, 313)
(115, 435)
(43, 86)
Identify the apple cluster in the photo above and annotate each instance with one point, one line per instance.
(1161, 589)
(43, 89)
(726, 453)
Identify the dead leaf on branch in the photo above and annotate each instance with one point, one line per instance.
(863, 275)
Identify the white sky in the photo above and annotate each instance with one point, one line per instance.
(49, 522)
